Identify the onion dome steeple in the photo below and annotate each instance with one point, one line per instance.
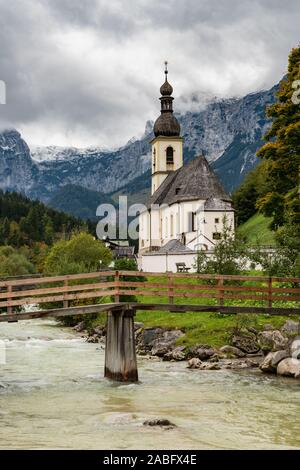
(167, 124)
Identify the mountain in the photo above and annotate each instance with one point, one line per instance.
(79, 201)
(227, 131)
(18, 171)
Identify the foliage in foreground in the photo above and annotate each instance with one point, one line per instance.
(14, 263)
(81, 254)
(230, 254)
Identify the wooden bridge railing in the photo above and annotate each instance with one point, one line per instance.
(276, 295)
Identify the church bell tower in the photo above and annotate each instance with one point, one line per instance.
(167, 144)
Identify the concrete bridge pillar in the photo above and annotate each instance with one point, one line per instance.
(120, 356)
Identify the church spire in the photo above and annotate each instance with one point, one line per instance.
(166, 124)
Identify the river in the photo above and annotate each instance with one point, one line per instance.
(53, 396)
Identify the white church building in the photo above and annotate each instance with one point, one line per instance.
(188, 204)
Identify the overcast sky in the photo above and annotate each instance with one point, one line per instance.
(88, 72)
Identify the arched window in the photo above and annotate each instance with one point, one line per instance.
(170, 155)
(154, 158)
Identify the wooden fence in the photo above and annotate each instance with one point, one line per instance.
(275, 295)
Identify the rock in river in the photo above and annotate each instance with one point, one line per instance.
(159, 422)
(295, 348)
(202, 351)
(232, 351)
(289, 367)
(271, 361)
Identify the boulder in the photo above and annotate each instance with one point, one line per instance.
(80, 326)
(270, 362)
(99, 330)
(289, 367)
(194, 363)
(291, 328)
(146, 337)
(159, 422)
(156, 341)
(232, 351)
(138, 326)
(209, 366)
(272, 341)
(269, 327)
(214, 358)
(92, 339)
(176, 354)
(295, 348)
(165, 342)
(246, 343)
(236, 364)
(202, 351)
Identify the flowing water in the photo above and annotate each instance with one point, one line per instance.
(53, 395)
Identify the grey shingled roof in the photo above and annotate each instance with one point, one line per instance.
(173, 246)
(216, 204)
(195, 180)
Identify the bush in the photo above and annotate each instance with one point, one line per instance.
(229, 257)
(82, 253)
(126, 264)
(14, 263)
(285, 262)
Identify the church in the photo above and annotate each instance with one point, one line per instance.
(188, 204)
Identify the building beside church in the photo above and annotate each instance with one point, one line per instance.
(188, 204)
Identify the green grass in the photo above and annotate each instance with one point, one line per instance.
(203, 327)
(256, 230)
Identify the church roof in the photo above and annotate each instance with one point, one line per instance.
(173, 246)
(195, 180)
(216, 204)
(166, 124)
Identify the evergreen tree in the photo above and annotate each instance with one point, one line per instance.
(252, 188)
(282, 151)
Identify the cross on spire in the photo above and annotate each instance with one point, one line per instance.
(166, 68)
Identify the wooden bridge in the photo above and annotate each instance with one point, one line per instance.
(121, 293)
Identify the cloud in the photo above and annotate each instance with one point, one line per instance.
(88, 73)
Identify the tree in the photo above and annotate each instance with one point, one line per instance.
(285, 261)
(5, 230)
(82, 253)
(282, 151)
(14, 263)
(230, 255)
(252, 188)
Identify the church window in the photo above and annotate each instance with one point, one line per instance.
(216, 236)
(154, 158)
(170, 155)
(216, 221)
(171, 226)
(192, 221)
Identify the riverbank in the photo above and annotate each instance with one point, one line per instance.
(241, 345)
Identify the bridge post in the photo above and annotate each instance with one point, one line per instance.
(120, 356)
